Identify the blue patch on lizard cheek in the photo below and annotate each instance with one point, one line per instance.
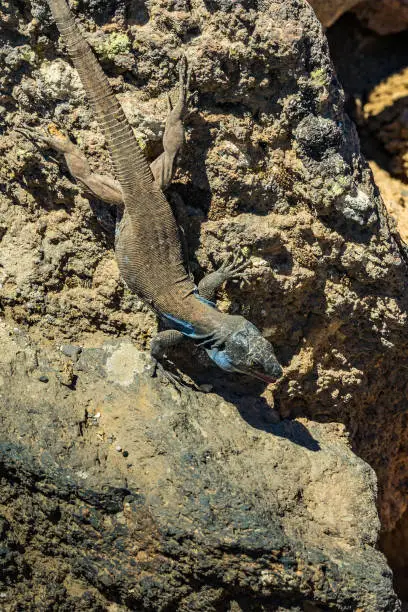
(221, 359)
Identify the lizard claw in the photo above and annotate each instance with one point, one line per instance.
(192, 97)
(185, 72)
(61, 142)
(183, 69)
(234, 267)
(169, 376)
(181, 109)
(33, 134)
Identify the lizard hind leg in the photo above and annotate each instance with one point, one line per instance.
(104, 187)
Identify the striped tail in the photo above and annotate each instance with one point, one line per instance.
(148, 249)
(128, 160)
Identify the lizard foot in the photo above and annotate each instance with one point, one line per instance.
(185, 72)
(168, 376)
(183, 108)
(61, 142)
(235, 267)
(189, 97)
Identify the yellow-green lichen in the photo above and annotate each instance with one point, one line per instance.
(28, 55)
(344, 181)
(233, 52)
(116, 44)
(336, 189)
(319, 77)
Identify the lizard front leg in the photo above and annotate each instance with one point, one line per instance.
(102, 186)
(232, 268)
(163, 167)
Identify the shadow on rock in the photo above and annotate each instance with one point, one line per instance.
(258, 414)
(363, 58)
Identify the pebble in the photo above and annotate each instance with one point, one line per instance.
(43, 378)
(206, 388)
(119, 448)
(70, 350)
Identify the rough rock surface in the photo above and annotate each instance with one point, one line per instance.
(395, 194)
(216, 501)
(386, 17)
(328, 11)
(124, 490)
(382, 16)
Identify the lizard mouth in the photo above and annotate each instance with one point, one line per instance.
(264, 377)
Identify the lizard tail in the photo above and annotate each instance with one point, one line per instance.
(128, 160)
(148, 248)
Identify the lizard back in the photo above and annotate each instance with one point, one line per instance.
(148, 248)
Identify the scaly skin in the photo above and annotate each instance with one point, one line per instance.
(148, 248)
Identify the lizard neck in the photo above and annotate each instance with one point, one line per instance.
(196, 318)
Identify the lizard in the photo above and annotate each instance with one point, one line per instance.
(147, 241)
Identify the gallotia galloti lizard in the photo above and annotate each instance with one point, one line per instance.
(147, 245)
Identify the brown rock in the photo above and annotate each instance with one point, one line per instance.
(382, 16)
(385, 17)
(328, 11)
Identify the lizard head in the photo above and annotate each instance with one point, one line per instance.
(245, 350)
